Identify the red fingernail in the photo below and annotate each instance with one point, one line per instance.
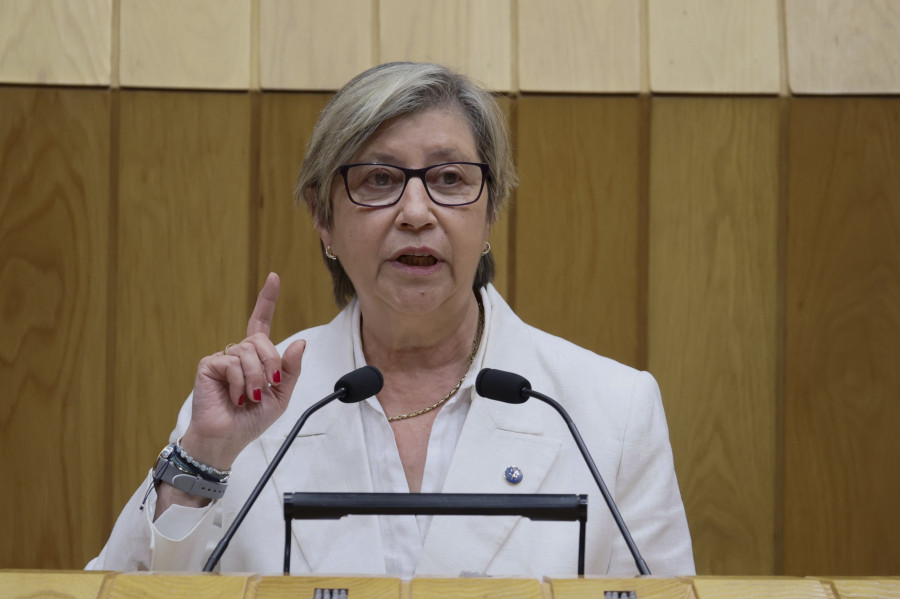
(257, 395)
(241, 400)
(276, 376)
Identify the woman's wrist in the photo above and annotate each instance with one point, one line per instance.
(215, 455)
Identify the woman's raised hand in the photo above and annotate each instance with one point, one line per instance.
(238, 395)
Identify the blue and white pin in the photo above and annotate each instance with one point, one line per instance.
(513, 475)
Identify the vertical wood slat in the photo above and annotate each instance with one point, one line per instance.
(579, 46)
(577, 220)
(182, 258)
(65, 43)
(314, 45)
(713, 318)
(202, 44)
(843, 338)
(714, 46)
(500, 237)
(837, 47)
(470, 36)
(54, 207)
(288, 242)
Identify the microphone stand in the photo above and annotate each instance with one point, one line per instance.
(353, 387)
(632, 547)
(216, 555)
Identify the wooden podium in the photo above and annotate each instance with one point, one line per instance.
(33, 584)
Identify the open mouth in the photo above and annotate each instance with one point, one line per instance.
(411, 260)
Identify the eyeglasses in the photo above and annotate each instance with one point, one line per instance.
(382, 185)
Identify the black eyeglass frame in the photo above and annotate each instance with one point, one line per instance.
(418, 173)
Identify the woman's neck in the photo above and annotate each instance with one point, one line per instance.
(401, 342)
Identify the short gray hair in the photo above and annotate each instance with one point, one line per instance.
(383, 93)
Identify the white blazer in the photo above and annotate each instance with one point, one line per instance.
(617, 409)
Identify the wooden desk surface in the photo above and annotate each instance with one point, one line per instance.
(32, 584)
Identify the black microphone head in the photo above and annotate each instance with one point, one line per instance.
(507, 387)
(361, 383)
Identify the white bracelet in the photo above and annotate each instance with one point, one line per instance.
(214, 472)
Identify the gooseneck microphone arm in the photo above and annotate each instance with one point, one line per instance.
(512, 388)
(351, 388)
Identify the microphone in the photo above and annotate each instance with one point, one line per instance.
(512, 388)
(351, 388)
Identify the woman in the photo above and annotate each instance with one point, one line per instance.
(406, 171)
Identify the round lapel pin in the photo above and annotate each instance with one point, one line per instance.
(513, 475)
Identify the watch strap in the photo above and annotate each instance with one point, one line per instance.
(166, 471)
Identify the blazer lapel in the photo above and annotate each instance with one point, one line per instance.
(328, 455)
(494, 437)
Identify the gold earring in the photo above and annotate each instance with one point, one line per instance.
(329, 254)
(487, 248)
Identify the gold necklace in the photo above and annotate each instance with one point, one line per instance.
(475, 345)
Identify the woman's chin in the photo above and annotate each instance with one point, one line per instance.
(420, 298)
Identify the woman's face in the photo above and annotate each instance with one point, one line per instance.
(416, 256)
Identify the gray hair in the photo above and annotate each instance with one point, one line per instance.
(383, 93)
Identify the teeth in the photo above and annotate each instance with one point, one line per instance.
(410, 260)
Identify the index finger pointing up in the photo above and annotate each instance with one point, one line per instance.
(261, 319)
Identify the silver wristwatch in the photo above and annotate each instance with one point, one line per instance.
(168, 472)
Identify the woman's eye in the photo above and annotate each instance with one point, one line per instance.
(379, 178)
(446, 178)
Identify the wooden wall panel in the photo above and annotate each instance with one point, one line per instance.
(315, 44)
(61, 42)
(714, 46)
(470, 36)
(579, 46)
(839, 47)
(288, 242)
(54, 227)
(577, 227)
(183, 257)
(713, 340)
(843, 338)
(173, 44)
(501, 234)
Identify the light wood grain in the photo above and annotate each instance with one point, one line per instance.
(314, 44)
(475, 588)
(30, 584)
(290, 587)
(577, 223)
(55, 41)
(470, 36)
(202, 44)
(644, 588)
(843, 338)
(711, 587)
(579, 45)
(175, 586)
(183, 259)
(714, 46)
(54, 231)
(865, 588)
(713, 293)
(288, 242)
(838, 47)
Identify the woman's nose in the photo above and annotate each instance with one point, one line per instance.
(416, 207)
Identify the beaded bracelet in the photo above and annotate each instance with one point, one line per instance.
(202, 469)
